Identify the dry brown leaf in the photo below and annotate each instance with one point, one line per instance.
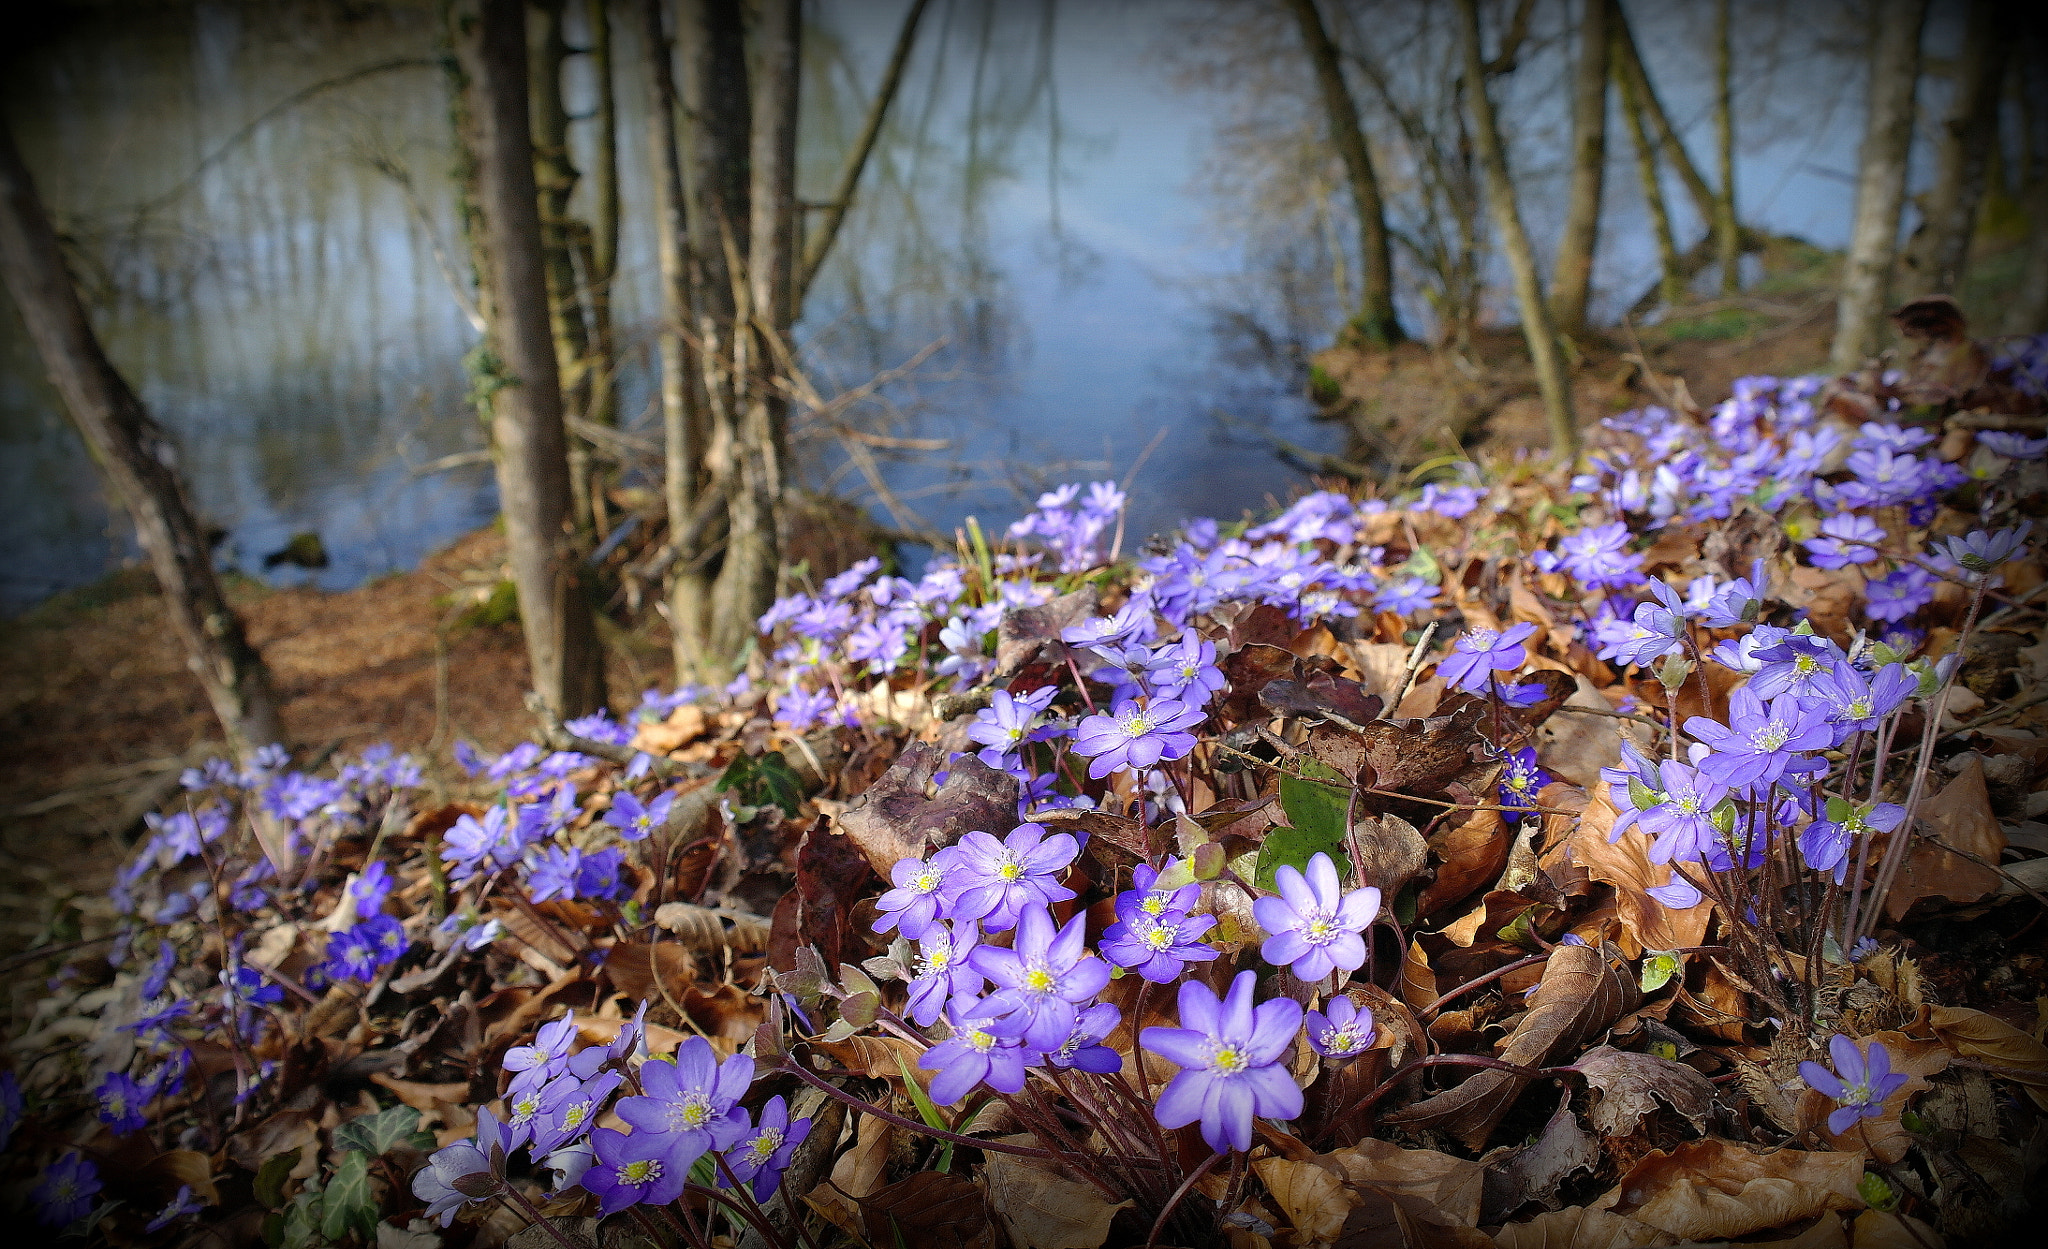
(1882, 1134)
(1517, 1175)
(857, 1173)
(187, 1167)
(1580, 1227)
(877, 1057)
(1645, 922)
(929, 1208)
(1582, 992)
(1391, 1220)
(1628, 1086)
(1470, 854)
(280, 1133)
(1876, 1229)
(1312, 1196)
(1418, 982)
(652, 972)
(1713, 1189)
(1959, 816)
(704, 928)
(1391, 852)
(894, 819)
(1042, 1209)
(660, 1040)
(1453, 1186)
(1987, 1039)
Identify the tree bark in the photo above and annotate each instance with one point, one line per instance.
(1880, 184)
(1572, 280)
(1507, 220)
(563, 240)
(753, 550)
(526, 423)
(819, 245)
(1938, 252)
(1672, 149)
(1375, 322)
(1727, 244)
(682, 419)
(1670, 285)
(138, 460)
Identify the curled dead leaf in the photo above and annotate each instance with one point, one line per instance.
(1983, 1038)
(1645, 922)
(707, 928)
(1713, 1189)
(1041, 1209)
(1627, 1086)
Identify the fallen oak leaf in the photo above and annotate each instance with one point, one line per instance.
(1627, 1086)
(1712, 1189)
(1583, 990)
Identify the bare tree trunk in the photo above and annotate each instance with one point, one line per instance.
(682, 419)
(1727, 244)
(753, 550)
(604, 241)
(1673, 150)
(819, 245)
(1880, 184)
(526, 425)
(1507, 220)
(138, 460)
(1671, 284)
(1572, 281)
(1938, 252)
(1375, 322)
(561, 239)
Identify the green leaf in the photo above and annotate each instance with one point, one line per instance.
(1876, 1192)
(270, 1180)
(1316, 803)
(302, 1221)
(1659, 969)
(384, 1131)
(927, 1112)
(766, 781)
(1641, 796)
(350, 1205)
(1521, 930)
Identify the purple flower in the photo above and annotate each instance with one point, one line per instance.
(1185, 671)
(1899, 595)
(2012, 446)
(1735, 604)
(1792, 665)
(1039, 981)
(945, 970)
(1229, 1054)
(1825, 844)
(1134, 738)
(1856, 703)
(1522, 780)
(1155, 945)
(1157, 899)
(971, 1056)
(764, 1154)
(471, 845)
(691, 1104)
(1404, 597)
(121, 1102)
(1652, 633)
(569, 1108)
(994, 881)
(881, 644)
(1598, 556)
(633, 1170)
(1859, 1084)
(1083, 1048)
(635, 819)
(1345, 1032)
(180, 1206)
(66, 1192)
(1479, 653)
(546, 1058)
(1683, 823)
(1008, 723)
(1979, 551)
(913, 905)
(160, 970)
(1131, 623)
(1846, 539)
(1758, 744)
(466, 1172)
(551, 873)
(1314, 929)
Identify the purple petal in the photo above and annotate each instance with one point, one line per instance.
(1322, 878)
(1183, 1047)
(1199, 1008)
(1181, 1103)
(1275, 1095)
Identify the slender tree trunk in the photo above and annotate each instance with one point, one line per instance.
(562, 237)
(138, 460)
(1672, 149)
(1375, 323)
(1507, 221)
(1572, 281)
(1880, 184)
(1727, 243)
(819, 245)
(604, 241)
(753, 551)
(1938, 252)
(682, 419)
(1671, 284)
(526, 425)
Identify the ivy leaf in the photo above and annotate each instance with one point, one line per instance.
(384, 1131)
(350, 1205)
(1316, 803)
(270, 1180)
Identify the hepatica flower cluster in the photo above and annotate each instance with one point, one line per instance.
(1115, 960)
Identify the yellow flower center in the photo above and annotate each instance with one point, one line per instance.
(1228, 1059)
(1009, 869)
(1039, 980)
(763, 1146)
(640, 1171)
(1136, 724)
